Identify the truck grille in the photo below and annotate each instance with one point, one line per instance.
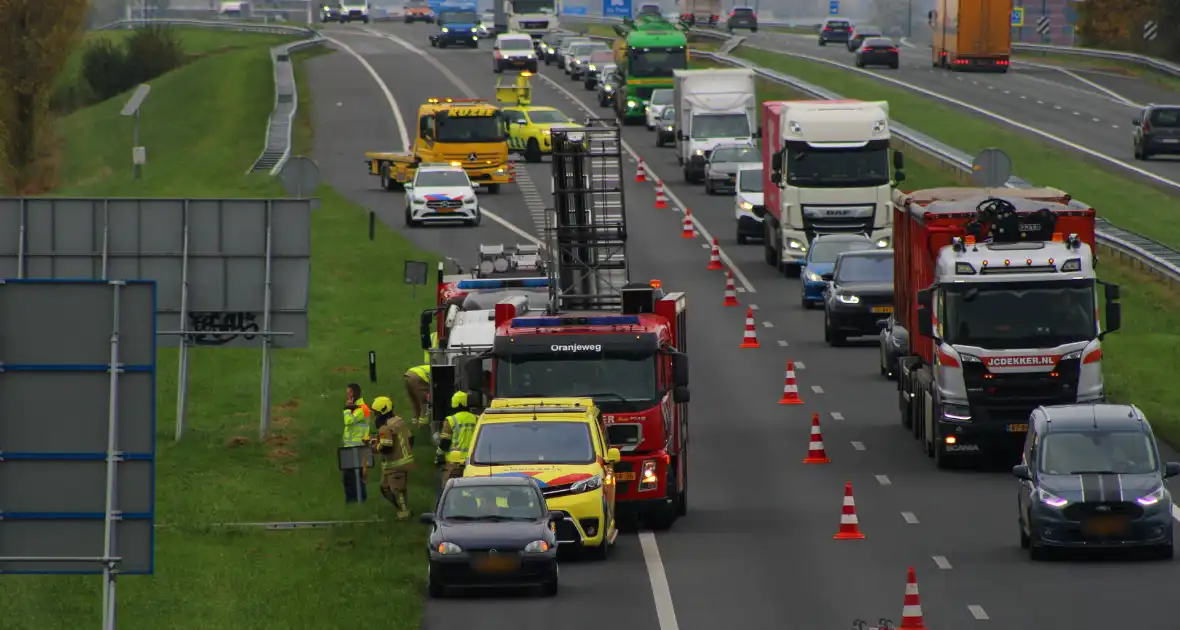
(482, 160)
(449, 204)
(644, 91)
(541, 24)
(1082, 511)
(1008, 397)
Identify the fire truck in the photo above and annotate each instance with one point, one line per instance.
(996, 292)
(602, 336)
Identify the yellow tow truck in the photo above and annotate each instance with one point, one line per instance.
(467, 132)
(530, 127)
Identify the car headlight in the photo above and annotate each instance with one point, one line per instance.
(883, 243)
(470, 199)
(608, 88)
(537, 546)
(698, 152)
(444, 29)
(587, 485)
(669, 127)
(631, 103)
(475, 30)
(547, 132)
(418, 202)
(1151, 498)
(794, 244)
(813, 277)
(1050, 499)
(848, 299)
(549, 50)
(956, 412)
(448, 549)
(592, 68)
(746, 205)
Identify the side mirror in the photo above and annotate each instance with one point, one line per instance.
(1112, 292)
(613, 456)
(1022, 472)
(925, 298)
(898, 160)
(882, 324)
(1171, 469)
(898, 176)
(424, 322)
(681, 136)
(680, 369)
(776, 163)
(427, 518)
(758, 132)
(776, 178)
(1114, 318)
(556, 516)
(1135, 122)
(680, 394)
(925, 323)
(408, 186)
(827, 277)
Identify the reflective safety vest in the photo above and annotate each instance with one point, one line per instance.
(433, 344)
(460, 428)
(422, 371)
(356, 424)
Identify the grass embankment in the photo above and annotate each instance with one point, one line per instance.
(212, 578)
(1142, 360)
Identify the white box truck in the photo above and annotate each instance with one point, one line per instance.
(712, 107)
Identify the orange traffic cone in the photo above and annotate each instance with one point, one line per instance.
(790, 388)
(730, 290)
(815, 449)
(661, 200)
(688, 231)
(750, 338)
(849, 526)
(911, 609)
(715, 258)
(641, 174)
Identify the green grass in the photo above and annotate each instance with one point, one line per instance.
(1125, 203)
(215, 578)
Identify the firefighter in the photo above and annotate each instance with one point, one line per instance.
(418, 389)
(395, 443)
(356, 433)
(455, 438)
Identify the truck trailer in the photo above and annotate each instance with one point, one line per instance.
(971, 34)
(996, 292)
(712, 107)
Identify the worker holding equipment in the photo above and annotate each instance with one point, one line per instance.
(356, 433)
(454, 441)
(394, 444)
(418, 389)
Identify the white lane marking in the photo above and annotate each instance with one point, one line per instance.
(858, 446)
(1077, 113)
(753, 307)
(741, 289)
(910, 518)
(768, 324)
(706, 246)
(700, 227)
(817, 389)
(451, 76)
(836, 415)
(1101, 88)
(661, 592)
(884, 480)
(942, 563)
(799, 365)
(978, 612)
(782, 343)
(397, 112)
(1175, 512)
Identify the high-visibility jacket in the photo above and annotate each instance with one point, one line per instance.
(393, 442)
(421, 371)
(433, 344)
(356, 424)
(459, 429)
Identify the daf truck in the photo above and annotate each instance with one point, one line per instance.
(971, 34)
(713, 107)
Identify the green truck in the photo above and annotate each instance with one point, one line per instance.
(647, 51)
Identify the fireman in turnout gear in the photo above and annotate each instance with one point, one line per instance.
(356, 433)
(455, 438)
(395, 443)
(418, 390)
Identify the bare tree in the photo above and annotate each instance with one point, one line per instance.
(36, 39)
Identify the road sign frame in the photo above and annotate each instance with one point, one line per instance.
(833, 7)
(1017, 17)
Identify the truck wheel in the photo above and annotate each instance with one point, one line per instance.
(770, 252)
(366, 20)
(532, 153)
(387, 180)
(442, 44)
(687, 175)
(493, 189)
(831, 335)
(589, 85)
(682, 498)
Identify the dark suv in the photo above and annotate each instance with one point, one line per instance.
(742, 17)
(835, 30)
(1157, 131)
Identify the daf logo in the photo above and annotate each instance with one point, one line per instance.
(471, 157)
(493, 552)
(1103, 508)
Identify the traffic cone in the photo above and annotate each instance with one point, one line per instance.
(849, 526)
(815, 449)
(715, 258)
(641, 174)
(688, 231)
(730, 290)
(790, 387)
(750, 338)
(911, 609)
(661, 200)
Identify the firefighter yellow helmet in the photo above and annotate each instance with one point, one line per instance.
(459, 400)
(382, 404)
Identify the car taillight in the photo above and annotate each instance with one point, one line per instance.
(892, 50)
(827, 28)
(866, 49)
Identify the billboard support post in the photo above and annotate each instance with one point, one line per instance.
(113, 457)
(264, 420)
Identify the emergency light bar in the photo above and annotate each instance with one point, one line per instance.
(510, 283)
(554, 322)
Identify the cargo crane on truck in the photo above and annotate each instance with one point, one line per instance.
(602, 336)
(995, 291)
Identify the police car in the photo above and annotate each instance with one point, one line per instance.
(441, 192)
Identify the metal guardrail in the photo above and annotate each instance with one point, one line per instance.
(277, 149)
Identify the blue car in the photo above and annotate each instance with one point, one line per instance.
(821, 260)
(456, 28)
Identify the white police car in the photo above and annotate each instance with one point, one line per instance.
(441, 192)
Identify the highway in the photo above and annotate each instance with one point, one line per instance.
(756, 549)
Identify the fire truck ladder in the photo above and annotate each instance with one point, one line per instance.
(587, 228)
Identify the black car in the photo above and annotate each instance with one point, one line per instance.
(878, 51)
(1090, 477)
(1157, 131)
(550, 45)
(492, 532)
(894, 341)
(835, 30)
(742, 17)
(666, 129)
(859, 292)
(860, 34)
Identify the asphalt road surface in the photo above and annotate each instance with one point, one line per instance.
(756, 550)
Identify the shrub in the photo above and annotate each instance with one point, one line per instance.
(104, 68)
(111, 69)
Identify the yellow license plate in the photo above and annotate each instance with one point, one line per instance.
(1104, 526)
(445, 210)
(496, 564)
(625, 476)
(1018, 428)
(882, 309)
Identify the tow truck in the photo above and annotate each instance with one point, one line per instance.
(467, 132)
(603, 336)
(996, 292)
(530, 127)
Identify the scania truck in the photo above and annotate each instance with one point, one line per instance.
(996, 292)
(828, 174)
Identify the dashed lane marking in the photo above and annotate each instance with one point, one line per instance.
(884, 480)
(768, 324)
(909, 518)
(942, 563)
(978, 612)
(661, 592)
(836, 415)
(858, 446)
(799, 365)
(782, 343)
(741, 289)
(753, 307)
(817, 389)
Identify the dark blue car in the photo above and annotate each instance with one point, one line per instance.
(456, 28)
(821, 260)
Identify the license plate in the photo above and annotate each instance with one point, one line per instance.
(625, 476)
(496, 564)
(445, 210)
(1108, 526)
(882, 309)
(1018, 428)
